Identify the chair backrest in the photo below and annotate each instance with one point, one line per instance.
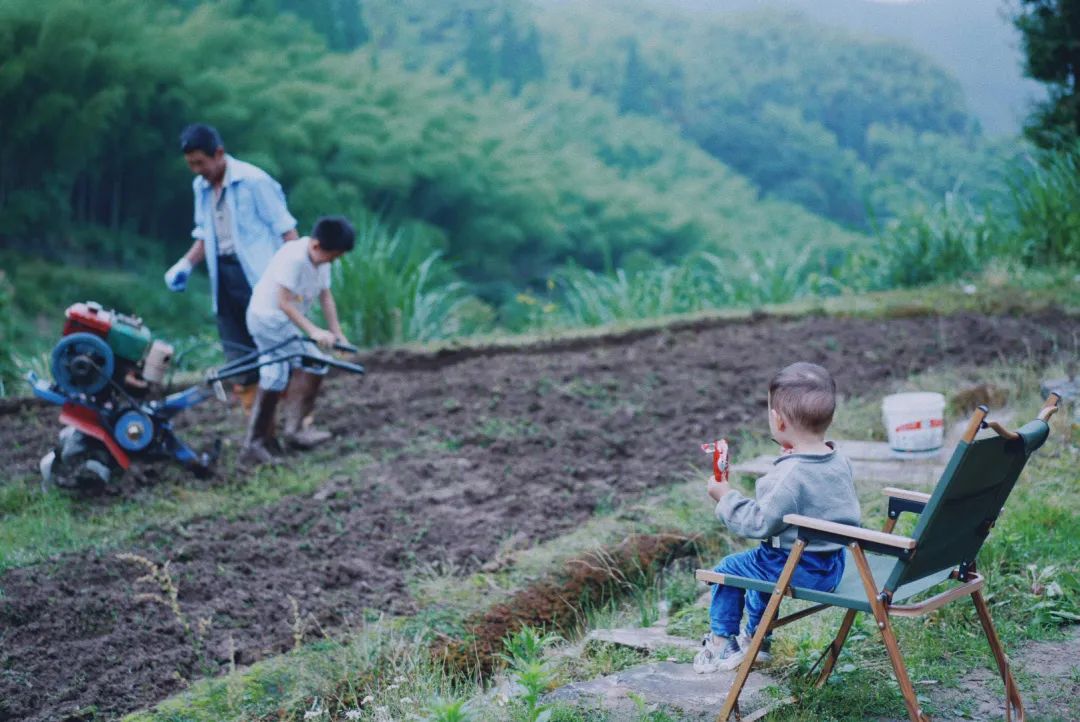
(966, 502)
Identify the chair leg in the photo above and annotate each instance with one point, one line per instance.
(1013, 705)
(732, 702)
(881, 616)
(832, 654)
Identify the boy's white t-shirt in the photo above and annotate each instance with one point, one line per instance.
(292, 268)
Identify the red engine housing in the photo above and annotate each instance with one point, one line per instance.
(88, 318)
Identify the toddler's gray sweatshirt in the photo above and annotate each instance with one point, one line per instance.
(817, 485)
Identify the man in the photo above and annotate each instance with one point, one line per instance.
(240, 222)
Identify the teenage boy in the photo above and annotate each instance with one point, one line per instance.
(298, 274)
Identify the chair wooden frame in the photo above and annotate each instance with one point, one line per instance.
(858, 541)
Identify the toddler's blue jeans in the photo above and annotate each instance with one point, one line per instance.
(816, 570)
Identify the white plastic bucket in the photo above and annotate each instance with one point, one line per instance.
(915, 422)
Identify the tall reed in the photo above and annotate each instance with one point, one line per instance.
(394, 286)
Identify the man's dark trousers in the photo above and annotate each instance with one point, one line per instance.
(233, 295)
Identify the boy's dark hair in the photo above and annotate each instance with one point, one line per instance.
(200, 136)
(805, 395)
(334, 233)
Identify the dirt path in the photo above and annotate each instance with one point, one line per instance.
(475, 447)
(1048, 674)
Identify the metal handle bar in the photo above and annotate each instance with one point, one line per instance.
(251, 361)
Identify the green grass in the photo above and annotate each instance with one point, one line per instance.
(395, 287)
(948, 241)
(703, 281)
(377, 668)
(1047, 208)
(907, 272)
(996, 290)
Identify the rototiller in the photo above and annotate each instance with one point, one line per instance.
(108, 377)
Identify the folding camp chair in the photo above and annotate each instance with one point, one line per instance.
(885, 568)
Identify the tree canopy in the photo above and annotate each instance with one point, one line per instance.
(790, 104)
(518, 137)
(1051, 40)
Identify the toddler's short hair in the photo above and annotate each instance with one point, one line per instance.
(805, 395)
(334, 233)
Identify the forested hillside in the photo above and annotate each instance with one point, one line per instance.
(95, 94)
(850, 128)
(841, 127)
(508, 150)
(973, 40)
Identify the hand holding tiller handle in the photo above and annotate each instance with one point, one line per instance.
(344, 347)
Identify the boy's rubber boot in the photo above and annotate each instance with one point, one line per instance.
(299, 402)
(246, 394)
(259, 440)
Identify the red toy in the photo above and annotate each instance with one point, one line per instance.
(720, 466)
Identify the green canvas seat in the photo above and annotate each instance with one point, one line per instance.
(887, 575)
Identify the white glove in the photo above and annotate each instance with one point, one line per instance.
(176, 278)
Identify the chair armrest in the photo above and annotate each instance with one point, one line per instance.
(893, 544)
(1049, 407)
(1035, 432)
(901, 500)
(906, 494)
(708, 576)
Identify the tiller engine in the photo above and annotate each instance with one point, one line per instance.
(108, 377)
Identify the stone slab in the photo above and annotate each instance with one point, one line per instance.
(669, 686)
(648, 639)
(881, 451)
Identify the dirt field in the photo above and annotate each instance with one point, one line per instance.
(470, 449)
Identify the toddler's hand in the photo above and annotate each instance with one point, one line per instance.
(719, 451)
(717, 489)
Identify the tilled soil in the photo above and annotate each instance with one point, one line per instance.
(470, 448)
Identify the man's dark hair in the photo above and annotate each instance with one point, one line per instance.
(805, 395)
(200, 136)
(334, 233)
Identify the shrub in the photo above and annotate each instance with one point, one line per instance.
(7, 357)
(949, 240)
(395, 286)
(1047, 200)
(702, 281)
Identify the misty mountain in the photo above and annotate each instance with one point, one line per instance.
(973, 39)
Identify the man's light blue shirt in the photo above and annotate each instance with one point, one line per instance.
(258, 215)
